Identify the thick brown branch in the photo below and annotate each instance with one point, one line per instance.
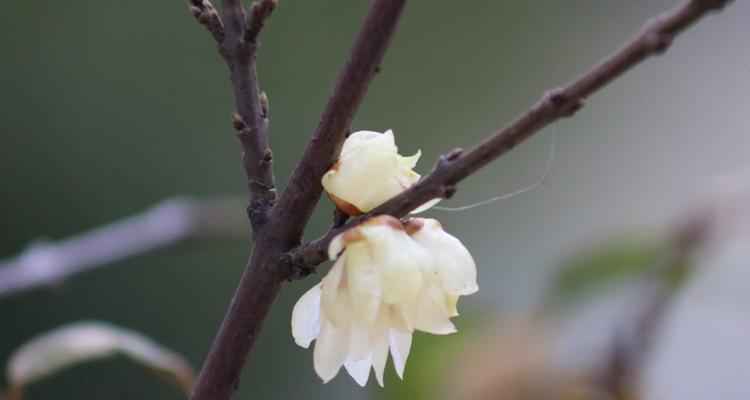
(304, 188)
(555, 104)
(260, 283)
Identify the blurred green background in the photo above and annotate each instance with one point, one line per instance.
(108, 107)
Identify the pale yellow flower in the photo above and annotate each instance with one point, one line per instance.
(369, 171)
(389, 279)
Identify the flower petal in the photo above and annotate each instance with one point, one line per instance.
(364, 284)
(334, 298)
(359, 341)
(306, 317)
(369, 171)
(397, 261)
(366, 172)
(401, 317)
(359, 370)
(425, 206)
(400, 346)
(454, 267)
(330, 351)
(410, 162)
(380, 344)
(432, 314)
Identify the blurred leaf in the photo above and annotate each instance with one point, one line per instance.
(607, 264)
(80, 342)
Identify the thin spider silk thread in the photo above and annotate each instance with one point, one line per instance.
(547, 169)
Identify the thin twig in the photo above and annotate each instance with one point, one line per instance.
(166, 223)
(304, 188)
(238, 45)
(456, 165)
(259, 13)
(206, 14)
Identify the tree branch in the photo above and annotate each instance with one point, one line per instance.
(259, 12)
(171, 221)
(456, 165)
(238, 44)
(618, 372)
(304, 188)
(206, 14)
(277, 233)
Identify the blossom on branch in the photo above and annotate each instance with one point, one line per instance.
(369, 171)
(389, 279)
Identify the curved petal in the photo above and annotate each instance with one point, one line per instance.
(369, 171)
(411, 161)
(330, 351)
(397, 261)
(362, 175)
(401, 317)
(363, 138)
(453, 265)
(432, 314)
(365, 289)
(380, 343)
(334, 299)
(400, 346)
(425, 206)
(336, 247)
(306, 317)
(359, 341)
(359, 370)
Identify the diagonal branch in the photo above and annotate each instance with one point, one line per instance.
(456, 165)
(304, 187)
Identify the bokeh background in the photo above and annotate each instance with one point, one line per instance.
(109, 107)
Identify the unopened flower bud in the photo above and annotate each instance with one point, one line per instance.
(369, 171)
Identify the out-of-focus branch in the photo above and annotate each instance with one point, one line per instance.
(456, 165)
(304, 188)
(169, 222)
(628, 351)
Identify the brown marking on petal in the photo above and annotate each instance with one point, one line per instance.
(393, 222)
(413, 225)
(351, 236)
(335, 166)
(345, 206)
